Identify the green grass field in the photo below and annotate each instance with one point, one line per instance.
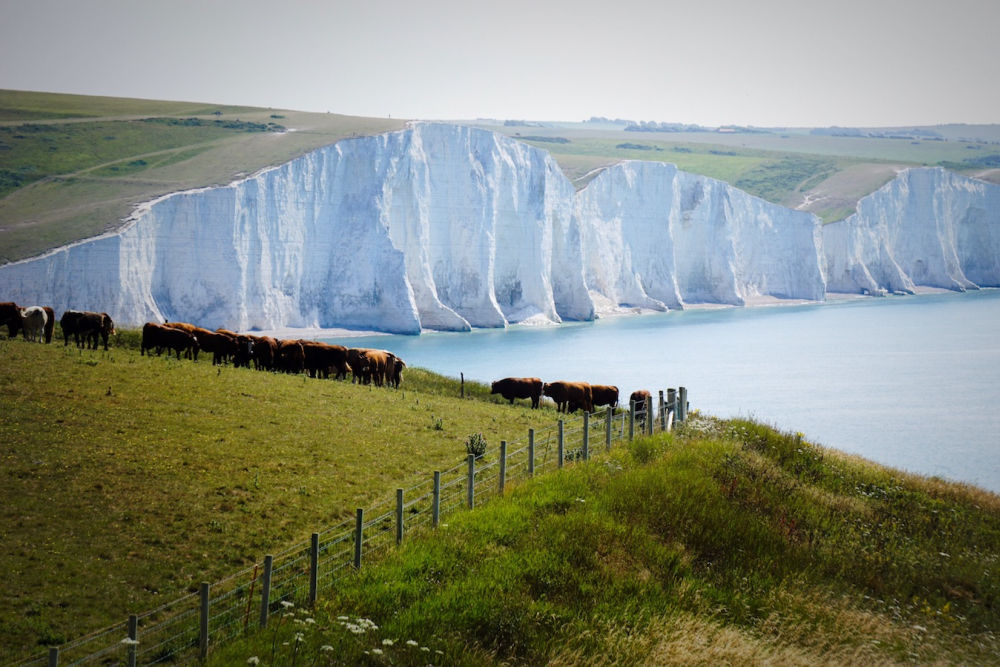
(724, 543)
(73, 166)
(129, 479)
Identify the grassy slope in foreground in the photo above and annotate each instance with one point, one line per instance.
(87, 161)
(127, 480)
(725, 543)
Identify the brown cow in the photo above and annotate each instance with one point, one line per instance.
(511, 388)
(10, 314)
(50, 323)
(358, 362)
(639, 397)
(570, 395)
(321, 357)
(159, 337)
(187, 327)
(90, 326)
(265, 352)
(605, 394)
(291, 356)
(222, 346)
(397, 371)
(378, 362)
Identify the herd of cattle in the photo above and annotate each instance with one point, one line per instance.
(568, 396)
(38, 322)
(365, 366)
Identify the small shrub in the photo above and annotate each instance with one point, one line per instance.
(475, 444)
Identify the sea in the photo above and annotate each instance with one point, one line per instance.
(911, 382)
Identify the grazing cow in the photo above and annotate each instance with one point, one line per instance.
(244, 352)
(68, 325)
(187, 327)
(378, 362)
(33, 319)
(640, 398)
(91, 326)
(570, 395)
(221, 345)
(265, 352)
(10, 314)
(511, 388)
(159, 337)
(605, 394)
(397, 371)
(291, 356)
(321, 358)
(358, 362)
(50, 323)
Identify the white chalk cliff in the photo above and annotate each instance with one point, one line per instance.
(448, 227)
(927, 227)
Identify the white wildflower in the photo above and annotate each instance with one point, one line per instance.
(253, 660)
(286, 604)
(377, 651)
(387, 642)
(128, 641)
(325, 647)
(410, 642)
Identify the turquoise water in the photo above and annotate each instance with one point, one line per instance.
(910, 382)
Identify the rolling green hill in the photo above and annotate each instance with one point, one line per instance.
(74, 166)
(129, 479)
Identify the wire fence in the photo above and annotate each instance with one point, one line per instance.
(184, 630)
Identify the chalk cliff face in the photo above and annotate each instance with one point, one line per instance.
(659, 237)
(447, 227)
(928, 227)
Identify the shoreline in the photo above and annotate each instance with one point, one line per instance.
(315, 333)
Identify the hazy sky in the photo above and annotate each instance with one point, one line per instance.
(713, 62)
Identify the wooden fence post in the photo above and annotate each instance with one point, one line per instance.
(133, 635)
(313, 568)
(672, 401)
(631, 421)
(531, 452)
(471, 481)
(503, 464)
(586, 435)
(663, 413)
(203, 644)
(649, 415)
(462, 375)
(265, 591)
(682, 404)
(562, 443)
(607, 427)
(436, 504)
(399, 517)
(359, 527)
(53, 656)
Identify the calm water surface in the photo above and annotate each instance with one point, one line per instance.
(910, 382)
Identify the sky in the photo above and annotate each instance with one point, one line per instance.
(767, 63)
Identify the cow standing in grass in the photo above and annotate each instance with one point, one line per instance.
(511, 388)
(33, 319)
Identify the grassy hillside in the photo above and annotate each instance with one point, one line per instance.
(725, 543)
(73, 166)
(129, 479)
(126, 480)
